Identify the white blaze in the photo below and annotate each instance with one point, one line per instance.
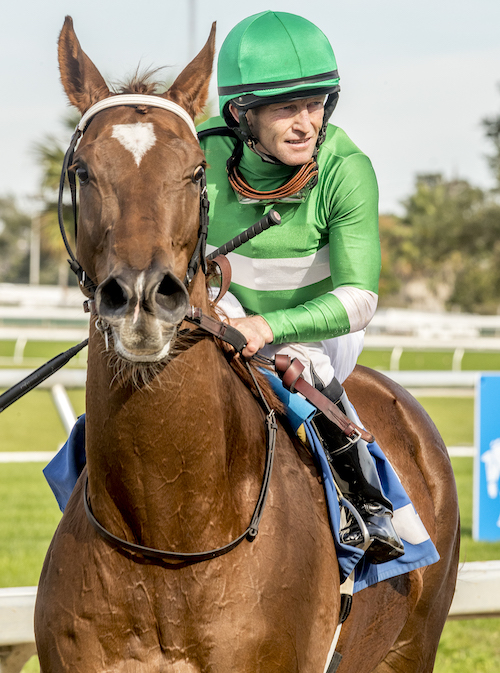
(136, 138)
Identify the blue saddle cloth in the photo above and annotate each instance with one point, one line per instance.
(64, 469)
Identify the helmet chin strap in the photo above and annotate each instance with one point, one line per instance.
(305, 176)
(330, 105)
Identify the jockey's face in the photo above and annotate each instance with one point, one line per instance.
(288, 131)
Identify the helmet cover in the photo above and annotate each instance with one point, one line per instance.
(273, 57)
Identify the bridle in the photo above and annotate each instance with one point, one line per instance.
(198, 258)
(211, 326)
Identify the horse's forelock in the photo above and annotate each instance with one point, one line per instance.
(144, 82)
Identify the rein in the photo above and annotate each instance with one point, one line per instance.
(249, 534)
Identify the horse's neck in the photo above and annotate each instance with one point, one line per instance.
(171, 460)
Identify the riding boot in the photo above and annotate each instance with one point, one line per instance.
(354, 471)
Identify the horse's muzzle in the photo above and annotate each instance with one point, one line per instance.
(143, 310)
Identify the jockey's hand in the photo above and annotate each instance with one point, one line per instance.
(256, 331)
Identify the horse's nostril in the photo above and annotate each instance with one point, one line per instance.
(170, 293)
(113, 296)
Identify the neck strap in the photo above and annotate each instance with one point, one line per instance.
(303, 180)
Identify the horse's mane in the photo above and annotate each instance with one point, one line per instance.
(237, 363)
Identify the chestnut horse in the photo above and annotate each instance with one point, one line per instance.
(176, 442)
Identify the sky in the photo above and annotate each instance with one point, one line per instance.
(417, 76)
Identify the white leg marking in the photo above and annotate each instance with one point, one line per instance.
(136, 138)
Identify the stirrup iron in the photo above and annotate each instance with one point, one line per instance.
(346, 524)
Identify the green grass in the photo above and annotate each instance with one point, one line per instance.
(35, 353)
(425, 360)
(481, 361)
(453, 416)
(375, 359)
(7, 348)
(432, 360)
(29, 517)
(32, 423)
(470, 646)
(46, 349)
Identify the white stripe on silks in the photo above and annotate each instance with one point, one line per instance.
(287, 273)
(409, 526)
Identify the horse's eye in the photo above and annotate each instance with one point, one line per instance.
(83, 176)
(198, 174)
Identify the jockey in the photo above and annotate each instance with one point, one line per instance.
(307, 287)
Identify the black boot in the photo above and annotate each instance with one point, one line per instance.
(356, 476)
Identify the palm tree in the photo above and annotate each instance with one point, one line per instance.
(50, 154)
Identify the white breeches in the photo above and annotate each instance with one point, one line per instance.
(332, 357)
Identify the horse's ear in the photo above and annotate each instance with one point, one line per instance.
(83, 83)
(190, 89)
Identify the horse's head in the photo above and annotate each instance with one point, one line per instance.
(139, 169)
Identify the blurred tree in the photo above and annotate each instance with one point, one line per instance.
(449, 242)
(492, 129)
(15, 229)
(50, 152)
(395, 239)
(439, 214)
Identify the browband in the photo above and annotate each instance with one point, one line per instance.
(136, 99)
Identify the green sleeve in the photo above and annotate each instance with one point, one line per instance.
(315, 320)
(354, 257)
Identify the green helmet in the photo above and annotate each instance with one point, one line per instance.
(273, 57)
